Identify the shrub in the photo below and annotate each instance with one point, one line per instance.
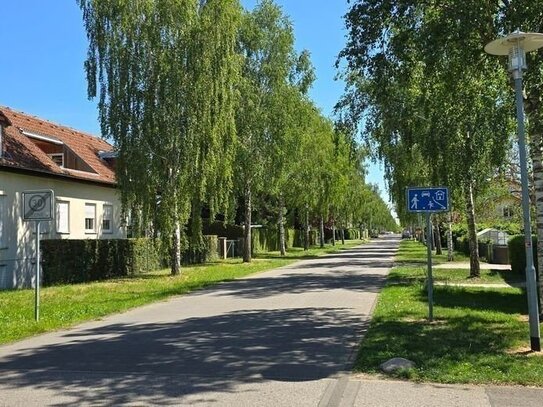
(208, 250)
(222, 229)
(77, 261)
(517, 253)
(267, 239)
(352, 234)
(463, 245)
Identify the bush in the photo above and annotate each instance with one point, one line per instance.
(222, 229)
(267, 239)
(298, 240)
(78, 261)
(352, 234)
(462, 245)
(517, 253)
(208, 250)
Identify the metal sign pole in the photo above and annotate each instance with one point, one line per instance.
(430, 283)
(37, 299)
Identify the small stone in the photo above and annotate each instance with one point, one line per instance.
(395, 364)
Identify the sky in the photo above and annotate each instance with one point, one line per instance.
(44, 46)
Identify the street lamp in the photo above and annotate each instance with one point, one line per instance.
(516, 45)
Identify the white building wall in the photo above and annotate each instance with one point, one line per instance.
(17, 238)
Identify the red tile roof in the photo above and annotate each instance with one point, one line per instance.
(21, 153)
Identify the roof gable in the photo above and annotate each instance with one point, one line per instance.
(21, 150)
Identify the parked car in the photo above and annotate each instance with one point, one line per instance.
(406, 234)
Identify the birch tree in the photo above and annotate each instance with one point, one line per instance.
(418, 74)
(165, 74)
(271, 67)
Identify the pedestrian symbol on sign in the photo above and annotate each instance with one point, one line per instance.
(414, 202)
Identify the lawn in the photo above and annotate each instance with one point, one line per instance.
(65, 306)
(480, 335)
(411, 265)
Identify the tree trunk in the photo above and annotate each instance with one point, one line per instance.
(306, 229)
(176, 250)
(322, 232)
(281, 224)
(472, 232)
(342, 234)
(333, 232)
(247, 230)
(537, 162)
(450, 248)
(438, 237)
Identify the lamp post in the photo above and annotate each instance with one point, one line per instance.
(516, 45)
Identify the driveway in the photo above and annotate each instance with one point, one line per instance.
(282, 337)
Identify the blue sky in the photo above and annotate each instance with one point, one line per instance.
(44, 46)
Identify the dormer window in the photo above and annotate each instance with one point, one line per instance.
(58, 152)
(58, 159)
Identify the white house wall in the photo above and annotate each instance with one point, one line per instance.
(17, 248)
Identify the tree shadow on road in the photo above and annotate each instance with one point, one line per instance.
(158, 363)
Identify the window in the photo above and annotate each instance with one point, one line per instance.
(107, 220)
(507, 212)
(58, 159)
(90, 218)
(63, 217)
(3, 221)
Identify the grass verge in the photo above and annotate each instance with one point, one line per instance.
(480, 335)
(68, 305)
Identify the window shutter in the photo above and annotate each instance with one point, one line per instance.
(63, 217)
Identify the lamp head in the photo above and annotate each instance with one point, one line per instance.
(515, 45)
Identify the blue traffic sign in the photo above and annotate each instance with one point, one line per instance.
(429, 199)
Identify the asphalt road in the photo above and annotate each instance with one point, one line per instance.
(286, 337)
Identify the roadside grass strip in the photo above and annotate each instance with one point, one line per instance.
(68, 305)
(480, 335)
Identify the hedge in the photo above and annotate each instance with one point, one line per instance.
(267, 239)
(352, 234)
(71, 261)
(517, 253)
(222, 229)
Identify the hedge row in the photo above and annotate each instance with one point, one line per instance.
(222, 229)
(267, 239)
(517, 253)
(76, 261)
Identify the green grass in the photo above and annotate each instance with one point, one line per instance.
(413, 252)
(479, 335)
(65, 306)
(411, 266)
(414, 274)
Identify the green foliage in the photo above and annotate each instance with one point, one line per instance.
(517, 253)
(267, 239)
(165, 73)
(223, 229)
(77, 261)
(72, 261)
(434, 105)
(206, 251)
(352, 234)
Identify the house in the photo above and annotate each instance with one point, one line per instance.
(36, 154)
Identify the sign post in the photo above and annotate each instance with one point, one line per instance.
(37, 207)
(428, 200)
